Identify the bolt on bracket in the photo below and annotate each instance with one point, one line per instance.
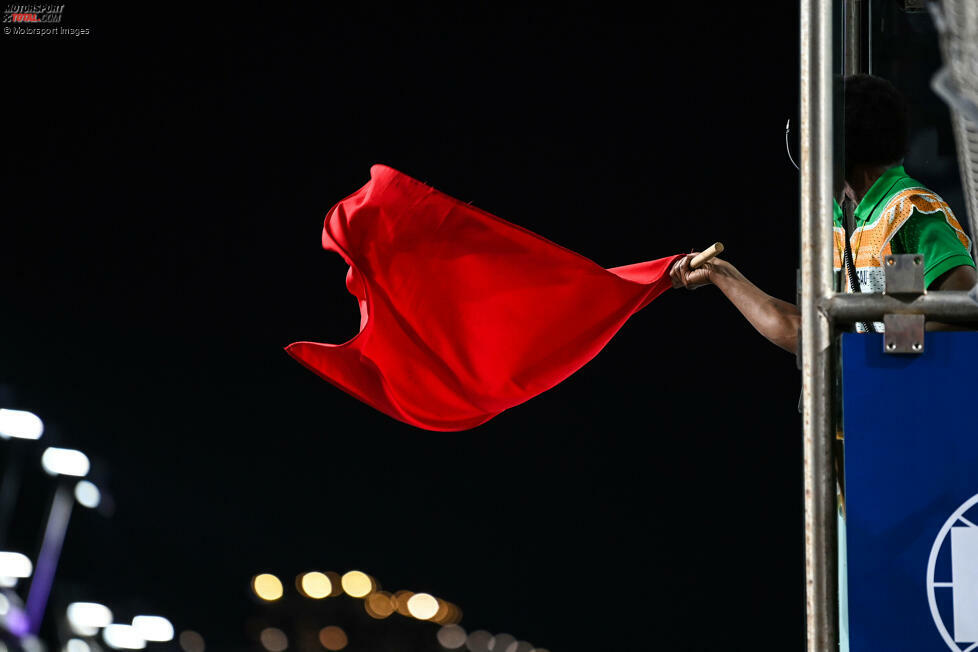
(904, 333)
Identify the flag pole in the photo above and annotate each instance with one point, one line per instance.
(709, 254)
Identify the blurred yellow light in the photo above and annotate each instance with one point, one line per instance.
(379, 604)
(315, 585)
(267, 587)
(333, 638)
(444, 611)
(336, 582)
(422, 606)
(357, 584)
(400, 601)
(454, 616)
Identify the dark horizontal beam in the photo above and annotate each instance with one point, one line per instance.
(951, 307)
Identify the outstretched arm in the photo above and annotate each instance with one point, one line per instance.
(773, 318)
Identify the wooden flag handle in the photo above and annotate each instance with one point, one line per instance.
(714, 250)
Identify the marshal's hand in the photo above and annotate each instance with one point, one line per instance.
(683, 276)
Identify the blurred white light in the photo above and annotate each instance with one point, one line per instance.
(478, 641)
(502, 642)
(7, 582)
(274, 639)
(422, 606)
(65, 461)
(451, 637)
(87, 494)
(14, 564)
(82, 630)
(153, 628)
(123, 637)
(20, 424)
(89, 615)
(31, 644)
(77, 645)
(4, 605)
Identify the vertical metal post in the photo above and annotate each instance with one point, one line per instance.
(816, 284)
(854, 50)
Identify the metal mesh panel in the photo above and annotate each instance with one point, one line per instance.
(957, 84)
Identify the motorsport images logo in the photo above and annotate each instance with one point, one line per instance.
(38, 20)
(50, 14)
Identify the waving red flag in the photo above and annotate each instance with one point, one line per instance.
(463, 315)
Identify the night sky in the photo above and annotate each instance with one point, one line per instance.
(165, 181)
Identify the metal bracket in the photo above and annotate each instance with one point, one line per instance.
(904, 333)
(904, 274)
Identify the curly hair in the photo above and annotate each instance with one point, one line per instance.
(877, 127)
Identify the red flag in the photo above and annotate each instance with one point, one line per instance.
(463, 315)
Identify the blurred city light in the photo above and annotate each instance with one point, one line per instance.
(479, 641)
(401, 602)
(79, 630)
(333, 638)
(88, 615)
(442, 615)
(502, 643)
(4, 605)
(267, 587)
(65, 461)
(357, 584)
(451, 637)
(153, 628)
(20, 424)
(521, 646)
(274, 639)
(77, 645)
(14, 564)
(7, 582)
(379, 604)
(17, 622)
(123, 637)
(422, 606)
(315, 585)
(191, 641)
(336, 582)
(87, 494)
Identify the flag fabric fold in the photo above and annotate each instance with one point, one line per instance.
(463, 314)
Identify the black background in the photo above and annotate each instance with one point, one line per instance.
(165, 180)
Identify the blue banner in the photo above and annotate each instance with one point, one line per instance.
(911, 472)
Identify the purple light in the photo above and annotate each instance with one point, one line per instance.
(17, 623)
(47, 559)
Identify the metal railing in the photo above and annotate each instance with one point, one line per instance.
(816, 330)
(823, 310)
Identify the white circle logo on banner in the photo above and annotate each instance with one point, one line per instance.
(964, 564)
